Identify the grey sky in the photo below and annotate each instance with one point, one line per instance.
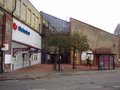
(104, 14)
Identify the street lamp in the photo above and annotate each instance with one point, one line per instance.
(74, 59)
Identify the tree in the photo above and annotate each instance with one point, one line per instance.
(59, 41)
(79, 42)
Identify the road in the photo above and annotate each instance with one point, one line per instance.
(82, 80)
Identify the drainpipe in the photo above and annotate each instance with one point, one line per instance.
(14, 8)
(3, 41)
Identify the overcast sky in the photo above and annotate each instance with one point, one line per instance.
(104, 14)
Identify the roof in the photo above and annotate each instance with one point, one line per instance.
(117, 30)
(58, 24)
(104, 51)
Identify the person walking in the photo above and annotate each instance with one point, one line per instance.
(88, 62)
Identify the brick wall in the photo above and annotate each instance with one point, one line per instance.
(97, 38)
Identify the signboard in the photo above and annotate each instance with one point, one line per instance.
(21, 29)
(5, 47)
(25, 35)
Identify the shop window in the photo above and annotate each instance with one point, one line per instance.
(14, 58)
(35, 57)
(31, 58)
(25, 57)
(19, 57)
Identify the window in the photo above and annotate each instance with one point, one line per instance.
(1, 18)
(23, 12)
(33, 20)
(29, 16)
(10, 4)
(37, 23)
(35, 57)
(2, 2)
(40, 28)
(32, 58)
(18, 6)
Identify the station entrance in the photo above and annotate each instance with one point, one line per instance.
(105, 59)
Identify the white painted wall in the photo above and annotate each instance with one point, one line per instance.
(7, 58)
(17, 60)
(36, 61)
(34, 39)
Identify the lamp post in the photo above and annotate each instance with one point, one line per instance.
(59, 62)
(59, 69)
(2, 61)
(74, 58)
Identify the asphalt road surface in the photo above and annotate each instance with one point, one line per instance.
(84, 80)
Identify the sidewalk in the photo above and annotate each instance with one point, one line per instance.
(49, 68)
(41, 71)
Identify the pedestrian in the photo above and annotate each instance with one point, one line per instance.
(88, 62)
(48, 58)
(101, 65)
